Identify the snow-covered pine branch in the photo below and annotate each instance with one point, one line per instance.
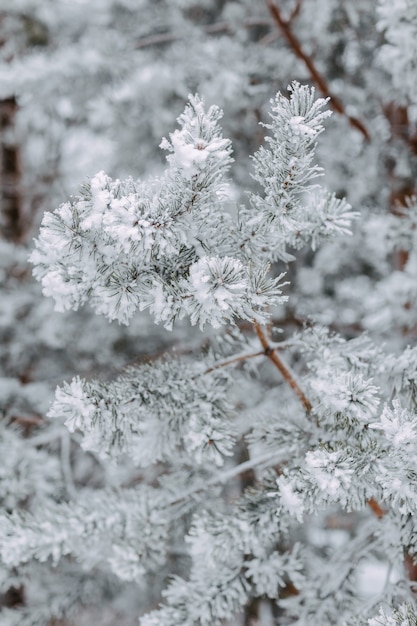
(159, 412)
(293, 211)
(161, 244)
(125, 531)
(170, 245)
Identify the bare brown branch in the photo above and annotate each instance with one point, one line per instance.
(376, 508)
(284, 369)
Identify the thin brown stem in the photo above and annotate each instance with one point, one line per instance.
(156, 40)
(28, 420)
(268, 39)
(295, 12)
(376, 508)
(236, 359)
(320, 81)
(284, 369)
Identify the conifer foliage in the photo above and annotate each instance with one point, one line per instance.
(260, 468)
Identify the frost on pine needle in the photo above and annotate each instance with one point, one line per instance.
(290, 499)
(400, 372)
(345, 393)
(217, 284)
(224, 289)
(100, 528)
(398, 470)
(404, 615)
(34, 471)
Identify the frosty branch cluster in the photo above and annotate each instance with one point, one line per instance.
(163, 245)
(336, 436)
(170, 245)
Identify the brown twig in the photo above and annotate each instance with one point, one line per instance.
(235, 359)
(398, 117)
(320, 81)
(295, 12)
(28, 420)
(284, 370)
(156, 40)
(376, 508)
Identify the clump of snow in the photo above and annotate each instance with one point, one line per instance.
(290, 499)
(300, 128)
(326, 471)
